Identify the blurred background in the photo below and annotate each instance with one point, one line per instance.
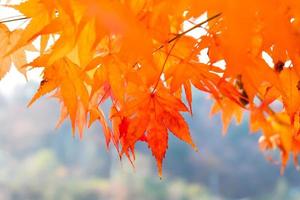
(40, 162)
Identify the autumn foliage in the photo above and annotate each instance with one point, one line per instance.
(137, 55)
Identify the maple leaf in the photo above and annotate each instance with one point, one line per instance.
(138, 56)
(72, 91)
(149, 116)
(18, 58)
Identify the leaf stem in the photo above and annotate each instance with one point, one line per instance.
(272, 113)
(183, 33)
(178, 36)
(189, 30)
(163, 67)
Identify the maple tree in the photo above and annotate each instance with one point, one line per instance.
(137, 55)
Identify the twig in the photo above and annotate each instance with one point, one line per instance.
(189, 30)
(13, 20)
(183, 33)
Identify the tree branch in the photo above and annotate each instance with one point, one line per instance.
(13, 19)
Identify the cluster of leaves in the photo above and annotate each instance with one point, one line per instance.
(136, 55)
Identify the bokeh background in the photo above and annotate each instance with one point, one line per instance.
(39, 162)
